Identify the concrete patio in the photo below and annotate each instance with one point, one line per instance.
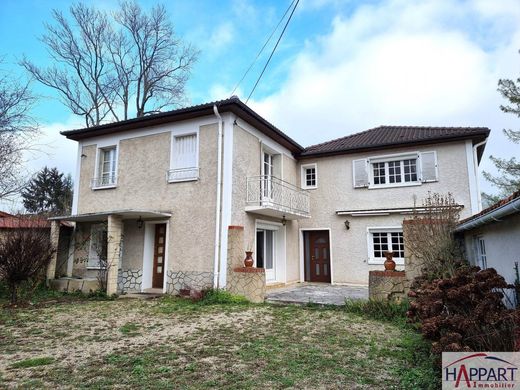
(318, 293)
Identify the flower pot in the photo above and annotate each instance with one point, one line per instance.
(248, 261)
(389, 262)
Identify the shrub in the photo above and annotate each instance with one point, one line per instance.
(24, 256)
(465, 312)
(378, 309)
(221, 297)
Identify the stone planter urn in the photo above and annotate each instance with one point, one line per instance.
(389, 262)
(248, 261)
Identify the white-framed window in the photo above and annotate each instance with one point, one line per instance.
(396, 170)
(481, 252)
(309, 176)
(389, 173)
(383, 239)
(106, 176)
(185, 158)
(97, 255)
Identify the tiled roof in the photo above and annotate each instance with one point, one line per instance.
(386, 136)
(500, 203)
(233, 104)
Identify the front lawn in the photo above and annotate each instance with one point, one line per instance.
(171, 343)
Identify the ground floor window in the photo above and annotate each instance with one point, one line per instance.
(382, 240)
(98, 246)
(481, 252)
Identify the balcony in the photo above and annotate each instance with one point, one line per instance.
(104, 181)
(183, 174)
(271, 196)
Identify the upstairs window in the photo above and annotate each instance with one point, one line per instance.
(382, 240)
(185, 156)
(395, 170)
(107, 167)
(309, 177)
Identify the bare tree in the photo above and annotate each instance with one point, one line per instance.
(82, 81)
(162, 61)
(429, 235)
(16, 127)
(108, 60)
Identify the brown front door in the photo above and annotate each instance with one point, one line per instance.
(317, 256)
(158, 255)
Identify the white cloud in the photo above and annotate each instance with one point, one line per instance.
(221, 36)
(401, 62)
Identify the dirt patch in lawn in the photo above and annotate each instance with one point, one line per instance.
(170, 344)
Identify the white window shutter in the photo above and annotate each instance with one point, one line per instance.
(185, 151)
(429, 166)
(360, 173)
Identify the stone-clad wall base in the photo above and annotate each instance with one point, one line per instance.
(387, 285)
(129, 280)
(193, 280)
(248, 282)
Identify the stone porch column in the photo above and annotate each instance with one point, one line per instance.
(114, 237)
(55, 238)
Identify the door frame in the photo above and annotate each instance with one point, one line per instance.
(148, 252)
(302, 255)
(280, 260)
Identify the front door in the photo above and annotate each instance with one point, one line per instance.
(317, 256)
(158, 255)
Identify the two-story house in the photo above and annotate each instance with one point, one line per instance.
(155, 196)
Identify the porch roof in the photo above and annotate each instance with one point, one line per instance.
(124, 214)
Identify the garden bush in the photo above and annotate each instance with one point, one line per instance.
(24, 256)
(465, 312)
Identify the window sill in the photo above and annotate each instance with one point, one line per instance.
(378, 261)
(104, 187)
(380, 186)
(94, 268)
(310, 188)
(183, 180)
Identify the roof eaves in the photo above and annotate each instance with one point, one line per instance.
(363, 148)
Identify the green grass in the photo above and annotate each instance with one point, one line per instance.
(378, 310)
(130, 329)
(34, 362)
(219, 342)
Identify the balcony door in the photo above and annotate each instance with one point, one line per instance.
(267, 173)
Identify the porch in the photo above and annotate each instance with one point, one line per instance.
(117, 250)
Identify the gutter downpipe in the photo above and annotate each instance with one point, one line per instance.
(495, 215)
(218, 211)
(476, 164)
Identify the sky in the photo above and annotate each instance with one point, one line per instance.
(343, 66)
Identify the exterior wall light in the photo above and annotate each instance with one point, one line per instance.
(347, 224)
(140, 223)
(284, 221)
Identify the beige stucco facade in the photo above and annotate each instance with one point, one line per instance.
(335, 192)
(189, 208)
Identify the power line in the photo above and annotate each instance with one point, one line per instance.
(274, 49)
(263, 47)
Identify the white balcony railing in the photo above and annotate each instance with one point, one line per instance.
(104, 181)
(183, 174)
(270, 192)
